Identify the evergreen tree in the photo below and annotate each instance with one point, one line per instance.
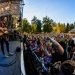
(47, 24)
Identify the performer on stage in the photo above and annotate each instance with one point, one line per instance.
(4, 38)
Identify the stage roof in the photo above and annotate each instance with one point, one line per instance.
(11, 8)
(1, 1)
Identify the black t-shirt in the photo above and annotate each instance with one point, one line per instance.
(71, 43)
(63, 44)
(58, 57)
(24, 40)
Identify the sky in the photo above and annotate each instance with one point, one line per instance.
(62, 11)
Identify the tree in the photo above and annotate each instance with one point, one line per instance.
(74, 24)
(67, 27)
(71, 26)
(39, 24)
(34, 20)
(61, 27)
(26, 26)
(34, 24)
(33, 28)
(54, 26)
(47, 24)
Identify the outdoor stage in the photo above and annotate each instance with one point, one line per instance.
(12, 64)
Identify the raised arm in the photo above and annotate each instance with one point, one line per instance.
(57, 46)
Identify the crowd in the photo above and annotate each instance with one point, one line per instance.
(49, 49)
(52, 50)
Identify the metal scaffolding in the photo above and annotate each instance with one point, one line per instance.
(11, 11)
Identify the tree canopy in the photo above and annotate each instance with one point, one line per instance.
(46, 25)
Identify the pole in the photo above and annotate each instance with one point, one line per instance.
(22, 56)
(22, 5)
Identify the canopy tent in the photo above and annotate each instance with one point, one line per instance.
(72, 31)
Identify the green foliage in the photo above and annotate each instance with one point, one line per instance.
(61, 27)
(47, 27)
(33, 28)
(69, 27)
(36, 25)
(33, 24)
(26, 26)
(39, 24)
(34, 20)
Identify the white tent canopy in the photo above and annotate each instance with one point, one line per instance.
(72, 31)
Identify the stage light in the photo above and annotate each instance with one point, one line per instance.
(2, 9)
(7, 8)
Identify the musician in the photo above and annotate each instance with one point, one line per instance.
(4, 38)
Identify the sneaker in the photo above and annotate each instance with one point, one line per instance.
(6, 56)
(10, 54)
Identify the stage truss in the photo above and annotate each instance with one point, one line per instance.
(11, 12)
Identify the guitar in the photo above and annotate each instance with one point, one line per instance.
(3, 31)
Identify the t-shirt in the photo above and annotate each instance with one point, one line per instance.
(47, 59)
(58, 57)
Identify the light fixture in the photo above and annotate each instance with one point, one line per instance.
(17, 25)
(7, 8)
(2, 9)
(15, 7)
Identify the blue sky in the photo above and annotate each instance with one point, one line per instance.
(59, 10)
